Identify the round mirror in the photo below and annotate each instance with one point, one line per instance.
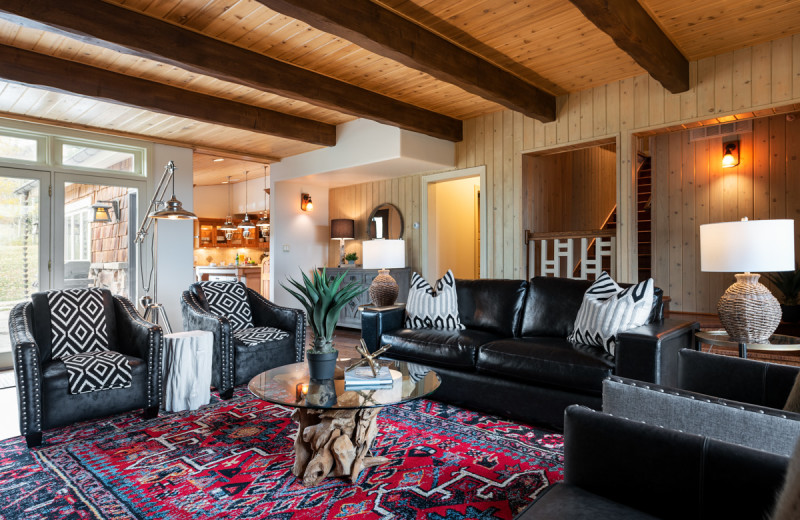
(385, 221)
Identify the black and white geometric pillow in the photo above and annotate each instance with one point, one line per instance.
(256, 335)
(229, 299)
(97, 371)
(607, 309)
(429, 309)
(77, 322)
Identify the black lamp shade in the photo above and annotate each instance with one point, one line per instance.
(343, 228)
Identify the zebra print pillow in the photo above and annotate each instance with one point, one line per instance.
(427, 309)
(608, 309)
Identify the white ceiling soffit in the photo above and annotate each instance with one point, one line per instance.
(367, 151)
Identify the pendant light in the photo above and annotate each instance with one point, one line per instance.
(246, 225)
(263, 222)
(228, 227)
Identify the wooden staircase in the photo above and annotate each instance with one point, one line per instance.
(644, 205)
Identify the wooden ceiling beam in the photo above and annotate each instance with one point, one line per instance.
(636, 33)
(122, 30)
(37, 70)
(388, 34)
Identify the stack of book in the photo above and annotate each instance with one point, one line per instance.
(361, 378)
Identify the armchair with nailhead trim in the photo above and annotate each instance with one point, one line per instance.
(251, 334)
(91, 321)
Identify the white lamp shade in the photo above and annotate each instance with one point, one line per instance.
(384, 254)
(747, 246)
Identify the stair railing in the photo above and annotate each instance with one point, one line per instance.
(557, 253)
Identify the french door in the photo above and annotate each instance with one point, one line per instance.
(50, 237)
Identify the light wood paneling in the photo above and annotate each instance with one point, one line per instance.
(691, 188)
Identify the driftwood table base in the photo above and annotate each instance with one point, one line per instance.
(334, 442)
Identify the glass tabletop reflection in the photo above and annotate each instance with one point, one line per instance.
(290, 385)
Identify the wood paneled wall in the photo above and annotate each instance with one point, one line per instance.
(754, 81)
(358, 201)
(691, 188)
(569, 191)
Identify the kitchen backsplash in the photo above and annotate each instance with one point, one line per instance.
(223, 256)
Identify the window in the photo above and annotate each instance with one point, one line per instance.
(19, 148)
(107, 157)
(77, 233)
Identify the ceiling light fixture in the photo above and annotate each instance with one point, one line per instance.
(219, 159)
(228, 227)
(246, 225)
(263, 222)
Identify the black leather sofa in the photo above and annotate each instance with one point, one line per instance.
(619, 469)
(513, 358)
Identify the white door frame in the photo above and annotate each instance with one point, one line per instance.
(451, 175)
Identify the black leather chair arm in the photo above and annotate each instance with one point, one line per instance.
(743, 380)
(267, 314)
(374, 323)
(139, 338)
(650, 352)
(658, 471)
(27, 369)
(197, 318)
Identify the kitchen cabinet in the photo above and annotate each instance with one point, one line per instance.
(249, 275)
(350, 315)
(207, 234)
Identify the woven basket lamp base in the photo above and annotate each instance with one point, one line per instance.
(384, 289)
(748, 310)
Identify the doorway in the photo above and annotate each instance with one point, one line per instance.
(453, 220)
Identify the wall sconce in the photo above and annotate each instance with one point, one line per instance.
(730, 157)
(101, 211)
(305, 202)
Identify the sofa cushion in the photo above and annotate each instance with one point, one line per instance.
(491, 305)
(551, 306)
(227, 299)
(548, 361)
(433, 309)
(447, 348)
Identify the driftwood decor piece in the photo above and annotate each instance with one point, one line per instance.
(334, 441)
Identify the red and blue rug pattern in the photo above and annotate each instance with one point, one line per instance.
(233, 459)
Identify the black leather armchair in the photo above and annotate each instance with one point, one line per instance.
(42, 382)
(235, 361)
(618, 469)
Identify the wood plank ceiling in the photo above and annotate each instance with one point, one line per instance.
(212, 74)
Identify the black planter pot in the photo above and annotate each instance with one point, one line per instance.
(791, 313)
(322, 366)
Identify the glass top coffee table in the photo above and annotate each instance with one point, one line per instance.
(777, 342)
(337, 425)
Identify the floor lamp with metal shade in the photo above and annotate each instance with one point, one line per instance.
(748, 310)
(172, 210)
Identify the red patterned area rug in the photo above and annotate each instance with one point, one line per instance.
(233, 459)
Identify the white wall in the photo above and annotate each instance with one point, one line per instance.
(305, 233)
(175, 244)
(451, 227)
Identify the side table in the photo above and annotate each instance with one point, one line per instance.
(777, 342)
(186, 370)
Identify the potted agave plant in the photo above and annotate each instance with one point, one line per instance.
(788, 283)
(323, 299)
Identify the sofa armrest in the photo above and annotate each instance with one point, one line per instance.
(756, 427)
(650, 352)
(667, 473)
(375, 322)
(745, 380)
(140, 338)
(27, 369)
(197, 318)
(267, 314)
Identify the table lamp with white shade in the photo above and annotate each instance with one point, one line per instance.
(748, 310)
(384, 254)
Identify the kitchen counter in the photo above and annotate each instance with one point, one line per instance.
(249, 274)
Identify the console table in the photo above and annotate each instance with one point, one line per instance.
(350, 316)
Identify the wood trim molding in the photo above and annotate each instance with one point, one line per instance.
(636, 33)
(388, 34)
(38, 70)
(122, 30)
